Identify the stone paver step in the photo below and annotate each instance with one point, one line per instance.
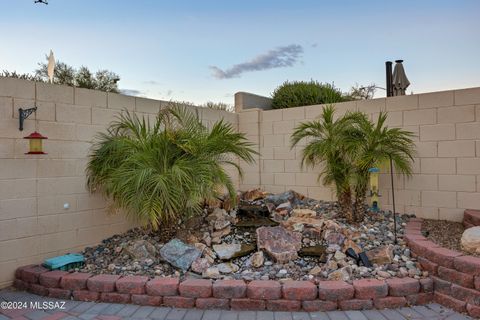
(112, 311)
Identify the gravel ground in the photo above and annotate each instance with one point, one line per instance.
(445, 233)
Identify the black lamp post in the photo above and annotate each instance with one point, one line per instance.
(389, 86)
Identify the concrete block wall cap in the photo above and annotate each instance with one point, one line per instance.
(399, 287)
(264, 289)
(455, 276)
(229, 289)
(32, 273)
(102, 282)
(467, 264)
(370, 288)
(299, 290)
(52, 279)
(75, 281)
(163, 286)
(196, 288)
(131, 284)
(335, 290)
(443, 256)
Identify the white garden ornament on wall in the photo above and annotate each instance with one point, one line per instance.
(51, 66)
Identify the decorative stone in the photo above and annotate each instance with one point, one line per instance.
(179, 254)
(381, 255)
(334, 240)
(221, 224)
(299, 223)
(141, 250)
(280, 243)
(383, 274)
(254, 194)
(470, 240)
(221, 233)
(315, 271)
(351, 244)
(340, 274)
(212, 273)
(257, 259)
(314, 251)
(290, 196)
(303, 213)
(257, 222)
(234, 250)
(339, 255)
(227, 268)
(200, 265)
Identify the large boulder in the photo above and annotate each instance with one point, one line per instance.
(141, 250)
(179, 254)
(279, 243)
(470, 240)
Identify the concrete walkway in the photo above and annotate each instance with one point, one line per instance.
(111, 311)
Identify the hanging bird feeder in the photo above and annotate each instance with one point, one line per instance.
(36, 146)
(374, 193)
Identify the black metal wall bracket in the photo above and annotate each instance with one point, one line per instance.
(24, 114)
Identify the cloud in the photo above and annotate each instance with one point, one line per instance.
(132, 92)
(280, 57)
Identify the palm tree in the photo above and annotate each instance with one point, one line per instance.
(373, 144)
(326, 146)
(162, 171)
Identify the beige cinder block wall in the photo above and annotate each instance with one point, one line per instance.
(446, 177)
(34, 188)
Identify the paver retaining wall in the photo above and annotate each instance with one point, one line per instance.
(454, 282)
(226, 294)
(456, 276)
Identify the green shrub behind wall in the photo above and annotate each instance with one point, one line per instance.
(303, 93)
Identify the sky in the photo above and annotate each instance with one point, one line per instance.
(205, 50)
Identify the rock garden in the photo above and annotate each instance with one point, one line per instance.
(267, 236)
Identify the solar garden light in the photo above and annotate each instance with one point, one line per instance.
(374, 193)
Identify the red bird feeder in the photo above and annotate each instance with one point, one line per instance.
(35, 143)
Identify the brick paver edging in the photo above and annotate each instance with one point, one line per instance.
(456, 276)
(226, 294)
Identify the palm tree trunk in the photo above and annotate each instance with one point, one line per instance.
(345, 202)
(359, 205)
